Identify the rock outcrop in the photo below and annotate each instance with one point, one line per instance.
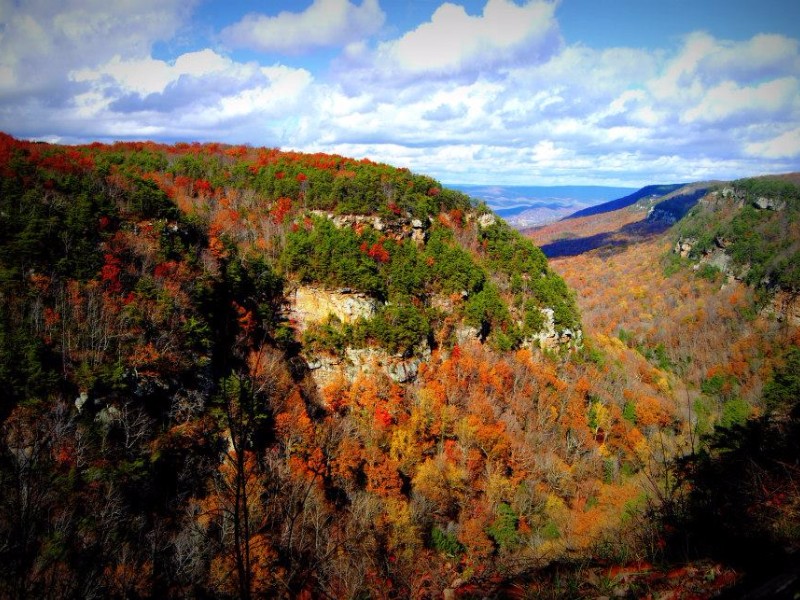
(683, 247)
(398, 227)
(783, 302)
(549, 338)
(764, 203)
(365, 362)
(785, 306)
(312, 304)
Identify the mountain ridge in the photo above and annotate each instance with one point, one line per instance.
(525, 206)
(241, 372)
(648, 191)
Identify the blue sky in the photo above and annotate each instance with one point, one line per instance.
(536, 92)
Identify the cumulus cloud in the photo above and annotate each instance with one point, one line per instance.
(786, 145)
(760, 57)
(204, 91)
(85, 70)
(729, 99)
(41, 42)
(325, 23)
(706, 109)
(454, 40)
(496, 96)
(148, 75)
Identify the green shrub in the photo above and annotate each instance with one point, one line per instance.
(452, 268)
(503, 529)
(783, 390)
(734, 412)
(486, 309)
(446, 543)
(708, 272)
(398, 327)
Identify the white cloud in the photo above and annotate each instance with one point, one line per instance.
(199, 93)
(149, 76)
(43, 41)
(324, 23)
(786, 145)
(729, 99)
(284, 90)
(706, 61)
(760, 57)
(616, 114)
(453, 40)
(679, 77)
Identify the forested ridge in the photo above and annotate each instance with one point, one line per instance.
(165, 435)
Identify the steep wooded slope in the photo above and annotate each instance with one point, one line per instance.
(726, 341)
(162, 434)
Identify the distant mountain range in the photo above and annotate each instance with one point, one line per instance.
(647, 192)
(528, 206)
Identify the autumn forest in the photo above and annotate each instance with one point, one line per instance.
(237, 372)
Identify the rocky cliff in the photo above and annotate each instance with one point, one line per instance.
(749, 231)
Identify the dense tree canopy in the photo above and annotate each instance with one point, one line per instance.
(162, 434)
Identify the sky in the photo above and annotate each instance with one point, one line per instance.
(502, 92)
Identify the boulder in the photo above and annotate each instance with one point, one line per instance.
(404, 371)
(82, 399)
(487, 220)
(684, 247)
(765, 203)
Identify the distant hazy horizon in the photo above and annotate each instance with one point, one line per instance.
(529, 205)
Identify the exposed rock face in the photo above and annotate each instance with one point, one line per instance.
(733, 194)
(785, 306)
(325, 369)
(683, 247)
(487, 220)
(398, 228)
(365, 362)
(728, 197)
(311, 304)
(716, 257)
(769, 204)
(721, 260)
(418, 233)
(466, 333)
(405, 370)
(551, 339)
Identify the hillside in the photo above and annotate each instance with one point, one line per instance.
(240, 372)
(749, 231)
(647, 193)
(650, 211)
(237, 372)
(726, 341)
